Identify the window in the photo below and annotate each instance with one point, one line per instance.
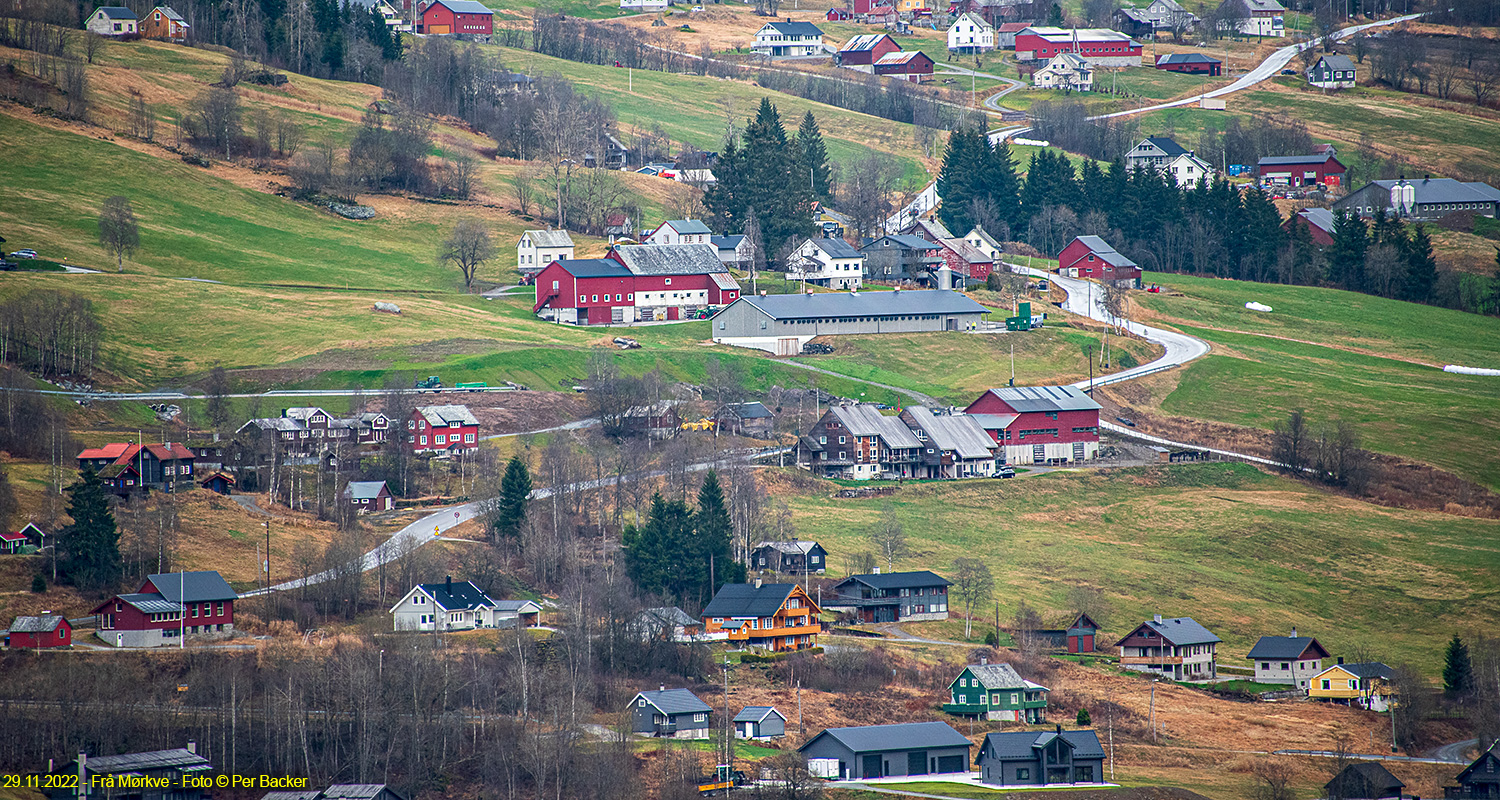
(583, 298)
(195, 611)
(469, 437)
(640, 702)
(440, 439)
(700, 717)
(1265, 665)
(669, 281)
(1015, 698)
(1353, 684)
(1023, 774)
(1083, 774)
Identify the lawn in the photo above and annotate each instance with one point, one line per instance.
(1376, 363)
(1243, 552)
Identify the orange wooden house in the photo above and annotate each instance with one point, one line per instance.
(773, 616)
(164, 23)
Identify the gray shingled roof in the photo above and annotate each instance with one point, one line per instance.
(310, 794)
(1022, 744)
(550, 238)
(903, 736)
(459, 596)
(748, 600)
(688, 226)
(1321, 218)
(863, 420)
(796, 28)
(167, 12)
(448, 414)
(904, 240)
(115, 12)
(675, 701)
(192, 587)
(1046, 398)
(1183, 630)
(353, 791)
(1372, 774)
(1107, 251)
(999, 676)
(901, 580)
(364, 490)
(140, 762)
(957, 432)
(800, 547)
(750, 410)
(727, 242)
(1284, 647)
(756, 714)
(878, 304)
(46, 623)
(667, 615)
(1166, 145)
(837, 248)
(593, 267)
(1336, 62)
(670, 259)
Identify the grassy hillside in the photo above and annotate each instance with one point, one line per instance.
(1243, 552)
(1340, 355)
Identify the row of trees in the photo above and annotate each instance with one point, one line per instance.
(1408, 61)
(51, 332)
(681, 552)
(1331, 453)
(766, 177)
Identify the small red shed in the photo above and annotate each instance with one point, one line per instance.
(12, 541)
(48, 630)
(457, 16)
(1082, 634)
(914, 65)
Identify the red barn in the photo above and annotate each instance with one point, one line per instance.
(1092, 257)
(1314, 170)
(1190, 63)
(443, 429)
(1040, 424)
(866, 49)
(838, 14)
(167, 607)
(457, 16)
(1100, 47)
(1319, 223)
(635, 283)
(48, 630)
(912, 65)
(966, 260)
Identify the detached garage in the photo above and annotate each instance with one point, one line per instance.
(880, 751)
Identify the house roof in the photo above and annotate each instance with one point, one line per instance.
(900, 580)
(166, 11)
(675, 701)
(903, 736)
(115, 12)
(309, 794)
(750, 410)
(1445, 190)
(1081, 34)
(667, 615)
(974, 19)
(1045, 398)
(1013, 27)
(140, 762)
(1367, 669)
(1274, 161)
(550, 238)
(355, 791)
(593, 267)
(1371, 773)
(457, 595)
(447, 414)
(1491, 752)
(748, 600)
(957, 432)
(1270, 6)
(829, 304)
(670, 259)
(836, 248)
(756, 714)
(1336, 62)
(995, 422)
(465, 7)
(864, 420)
(1181, 630)
(1285, 647)
(901, 57)
(1000, 676)
(906, 240)
(148, 603)
(795, 28)
(1103, 249)
(13, 536)
(1071, 60)
(46, 623)
(727, 242)
(364, 490)
(864, 42)
(1186, 58)
(192, 587)
(517, 606)
(799, 547)
(110, 451)
(686, 226)
(1023, 744)
(968, 252)
(985, 237)
(1162, 143)
(1320, 218)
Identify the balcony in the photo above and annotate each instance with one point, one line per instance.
(746, 632)
(1149, 661)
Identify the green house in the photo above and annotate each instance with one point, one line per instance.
(997, 692)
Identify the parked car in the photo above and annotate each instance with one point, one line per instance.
(1289, 72)
(24, 254)
(1005, 471)
(1126, 421)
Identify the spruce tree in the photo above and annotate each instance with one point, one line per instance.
(1001, 185)
(657, 554)
(1421, 267)
(90, 546)
(1346, 256)
(813, 157)
(1458, 671)
(713, 532)
(957, 182)
(1055, 16)
(515, 489)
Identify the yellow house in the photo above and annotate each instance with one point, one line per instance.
(911, 5)
(1365, 685)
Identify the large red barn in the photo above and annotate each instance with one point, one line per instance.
(866, 49)
(635, 283)
(1311, 170)
(456, 16)
(912, 65)
(1100, 47)
(1092, 257)
(1040, 424)
(167, 607)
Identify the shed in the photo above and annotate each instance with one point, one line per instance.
(11, 542)
(879, 751)
(1366, 780)
(48, 630)
(759, 722)
(218, 482)
(367, 496)
(526, 613)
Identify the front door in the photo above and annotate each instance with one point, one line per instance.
(916, 762)
(1057, 775)
(871, 766)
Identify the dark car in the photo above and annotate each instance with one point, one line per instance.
(1005, 471)
(1289, 72)
(1127, 422)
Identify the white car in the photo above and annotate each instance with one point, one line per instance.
(24, 254)
(696, 9)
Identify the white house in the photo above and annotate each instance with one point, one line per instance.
(1255, 17)
(1332, 72)
(537, 249)
(981, 240)
(680, 231)
(833, 263)
(643, 5)
(445, 606)
(1065, 71)
(970, 34)
(1188, 170)
(701, 178)
(782, 39)
(388, 14)
(112, 21)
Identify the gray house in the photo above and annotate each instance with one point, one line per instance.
(879, 751)
(920, 596)
(902, 257)
(1287, 659)
(1332, 72)
(669, 713)
(783, 323)
(1154, 152)
(1027, 758)
(759, 722)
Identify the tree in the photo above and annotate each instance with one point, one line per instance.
(972, 584)
(1346, 256)
(118, 231)
(1083, 718)
(1290, 442)
(216, 399)
(1055, 16)
(1273, 780)
(888, 537)
(90, 546)
(812, 157)
(38, 583)
(92, 44)
(468, 246)
(756, 243)
(8, 505)
(1458, 671)
(218, 112)
(714, 536)
(1421, 267)
(510, 506)
(656, 556)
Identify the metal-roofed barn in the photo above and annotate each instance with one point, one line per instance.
(782, 323)
(759, 722)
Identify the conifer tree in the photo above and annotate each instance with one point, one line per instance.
(813, 158)
(1458, 670)
(713, 533)
(1421, 267)
(515, 489)
(957, 181)
(1001, 186)
(656, 555)
(91, 545)
(1346, 256)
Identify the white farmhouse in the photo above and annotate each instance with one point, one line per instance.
(970, 34)
(537, 249)
(445, 606)
(1188, 170)
(1065, 71)
(1254, 17)
(112, 21)
(789, 39)
(833, 263)
(680, 231)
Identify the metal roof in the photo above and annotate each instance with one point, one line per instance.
(459, 596)
(1321, 218)
(687, 226)
(901, 57)
(364, 490)
(877, 304)
(1182, 630)
(1447, 190)
(899, 580)
(837, 248)
(667, 615)
(1285, 647)
(1045, 398)
(995, 422)
(466, 7)
(1187, 58)
(905, 240)
(550, 238)
(864, 42)
(985, 237)
(800, 547)
(727, 242)
(46, 623)
(192, 587)
(1336, 62)
(795, 28)
(1070, 35)
(167, 12)
(517, 606)
(750, 410)
(670, 259)
(968, 252)
(1275, 161)
(1105, 250)
(997, 676)
(757, 714)
(675, 701)
(957, 432)
(115, 12)
(903, 736)
(448, 414)
(155, 759)
(354, 791)
(864, 420)
(1264, 5)
(748, 600)
(593, 267)
(310, 794)
(1023, 744)
(1371, 774)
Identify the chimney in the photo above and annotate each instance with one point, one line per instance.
(984, 660)
(1341, 660)
(757, 583)
(448, 583)
(877, 571)
(216, 436)
(1294, 631)
(192, 746)
(1156, 618)
(661, 687)
(1059, 729)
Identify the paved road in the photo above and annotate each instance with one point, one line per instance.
(993, 101)
(1454, 753)
(1364, 757)
(247, 502)
(895, 632)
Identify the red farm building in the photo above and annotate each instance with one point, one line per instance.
(1040, 424)
(1190, 63)
(456, 16)
(866, 49)
(1092, 257)
(39, 633)
(167, 607)
(636, 283)
(912, 65)
(1312, 170)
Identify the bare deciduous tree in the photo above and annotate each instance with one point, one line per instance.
(972, 585)
(889, 537)
(468, 247)
(118, 230)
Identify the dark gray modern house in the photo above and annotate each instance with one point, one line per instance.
(1480, 780)
(901, 257)
(920, 596)
(1428, 198)
(669, 713)
(880, 751)
(782, 323)
(790, 557)
(759, 722)
(1027, 758)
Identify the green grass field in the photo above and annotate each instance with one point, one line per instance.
(1243, 552)
(1361, 369)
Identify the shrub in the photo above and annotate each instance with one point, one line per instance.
(992, 639)
(1083, 717)
(38, 583)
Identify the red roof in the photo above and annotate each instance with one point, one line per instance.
(110, 451)
(124, 452)
(13, 536)
(1013, 27)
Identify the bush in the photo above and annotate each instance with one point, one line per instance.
(38, 584)
(992, 639)
(1083, 717)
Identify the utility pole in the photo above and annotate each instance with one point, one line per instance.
(728, 736)
(268, 555)
(1088, 350)
(1153, 711)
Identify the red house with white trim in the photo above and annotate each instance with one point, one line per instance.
(1040, 424)
(167, 607)
(1092, 257)
(635, 283)
(966, 260)
(456, 16)
(39, 633)
(865, 49)
(443, 429)
(125, 467)
(911, 65)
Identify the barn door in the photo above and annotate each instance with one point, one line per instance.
(1078, 451)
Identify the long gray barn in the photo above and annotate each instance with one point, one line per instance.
(882, 751)
(782, 323)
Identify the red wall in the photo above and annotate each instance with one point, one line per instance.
(1329, 167)
(423, 429)
(1045, 49)
(437, 14)
(956, 262)
(61, 637)
(1076, 254)
(1066, 421)
(885, 45)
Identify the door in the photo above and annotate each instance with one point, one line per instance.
(952, 764)
(1078, 451)
(787, 347)
(1057, 775)
(916, 762)
(1038, 454)
(439, 29)
(870, 767)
